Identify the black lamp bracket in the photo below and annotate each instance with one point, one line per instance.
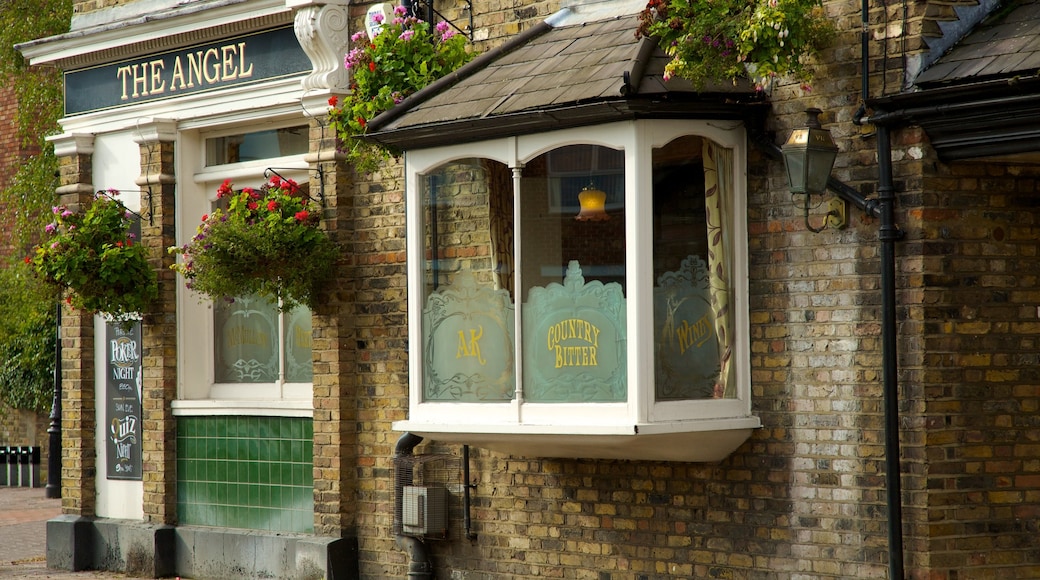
(320, 171)
(148, 192)
(431, 14)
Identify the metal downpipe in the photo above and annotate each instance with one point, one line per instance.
(888, 234)
(419, 565)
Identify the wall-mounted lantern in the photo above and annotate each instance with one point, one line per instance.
(809, 155)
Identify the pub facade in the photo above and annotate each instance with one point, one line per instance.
(580, 328)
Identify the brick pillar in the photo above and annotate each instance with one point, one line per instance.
(335, 383)
(159, 326)
(78, 418)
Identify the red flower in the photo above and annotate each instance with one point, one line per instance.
(361, 121)
(302, 215)
(205, 216)
(333, 100)
(223, 190)
(28, 259)
(276, 181)
(272, 206)
(252, 205)
(372, 65)
(119, 244)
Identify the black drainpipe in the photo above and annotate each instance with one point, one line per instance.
(419, 566)
(888, 235)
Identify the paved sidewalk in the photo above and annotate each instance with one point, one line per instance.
(24, 513)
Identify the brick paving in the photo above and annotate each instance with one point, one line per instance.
(24, 513)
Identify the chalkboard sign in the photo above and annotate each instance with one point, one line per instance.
(123, 407)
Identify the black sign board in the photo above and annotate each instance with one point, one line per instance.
(123, 406)
(241, 60)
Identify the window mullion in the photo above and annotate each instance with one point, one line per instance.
(518, 285)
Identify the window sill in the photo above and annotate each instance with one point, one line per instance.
(689, 441)
(260, 408)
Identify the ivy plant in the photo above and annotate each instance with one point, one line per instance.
(27, 305)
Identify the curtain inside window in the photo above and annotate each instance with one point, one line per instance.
(718, 199)
(500, 208)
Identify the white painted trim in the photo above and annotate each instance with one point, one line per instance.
(189, 18)
(208, 407)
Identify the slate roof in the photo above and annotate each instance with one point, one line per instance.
(1006, 44)
(553, 76)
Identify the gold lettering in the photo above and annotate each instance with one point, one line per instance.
(227, 61)
(241, 335)
(572, 329)
(177, 80)
(158, 84)
(302, 337)
(194, 69)
(123, 73)
(243, 71)
(693, 335)
(471, 348)
(139, 81)
(207, 66)
(575, 356)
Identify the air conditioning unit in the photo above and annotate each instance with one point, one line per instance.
(423, 511)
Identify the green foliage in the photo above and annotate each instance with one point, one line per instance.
(268, 242)
(94, 257)
(38, 89)
(724, 40)
(26, 303)
(405, 56)
(27, 346)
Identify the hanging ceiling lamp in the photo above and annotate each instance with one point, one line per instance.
(593, 205)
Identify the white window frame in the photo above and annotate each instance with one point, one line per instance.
(197, 391)
(505, 425)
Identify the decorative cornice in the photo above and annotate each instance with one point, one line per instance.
(69, 144)
(189, 24)
(155, 130)
(324, 34)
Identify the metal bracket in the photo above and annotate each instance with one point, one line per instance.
(431, 13)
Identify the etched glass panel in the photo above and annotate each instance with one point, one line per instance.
(297, 341)
(573, 272)
(468, 352)
(687, 327)
(246, 340)
(574, 341)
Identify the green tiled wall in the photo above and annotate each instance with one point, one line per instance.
(246, 472)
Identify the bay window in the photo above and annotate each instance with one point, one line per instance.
(582, 293)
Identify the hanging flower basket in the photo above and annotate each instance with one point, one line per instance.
(267, 242)
(725, 40)
(404, 56)
(93, 258)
